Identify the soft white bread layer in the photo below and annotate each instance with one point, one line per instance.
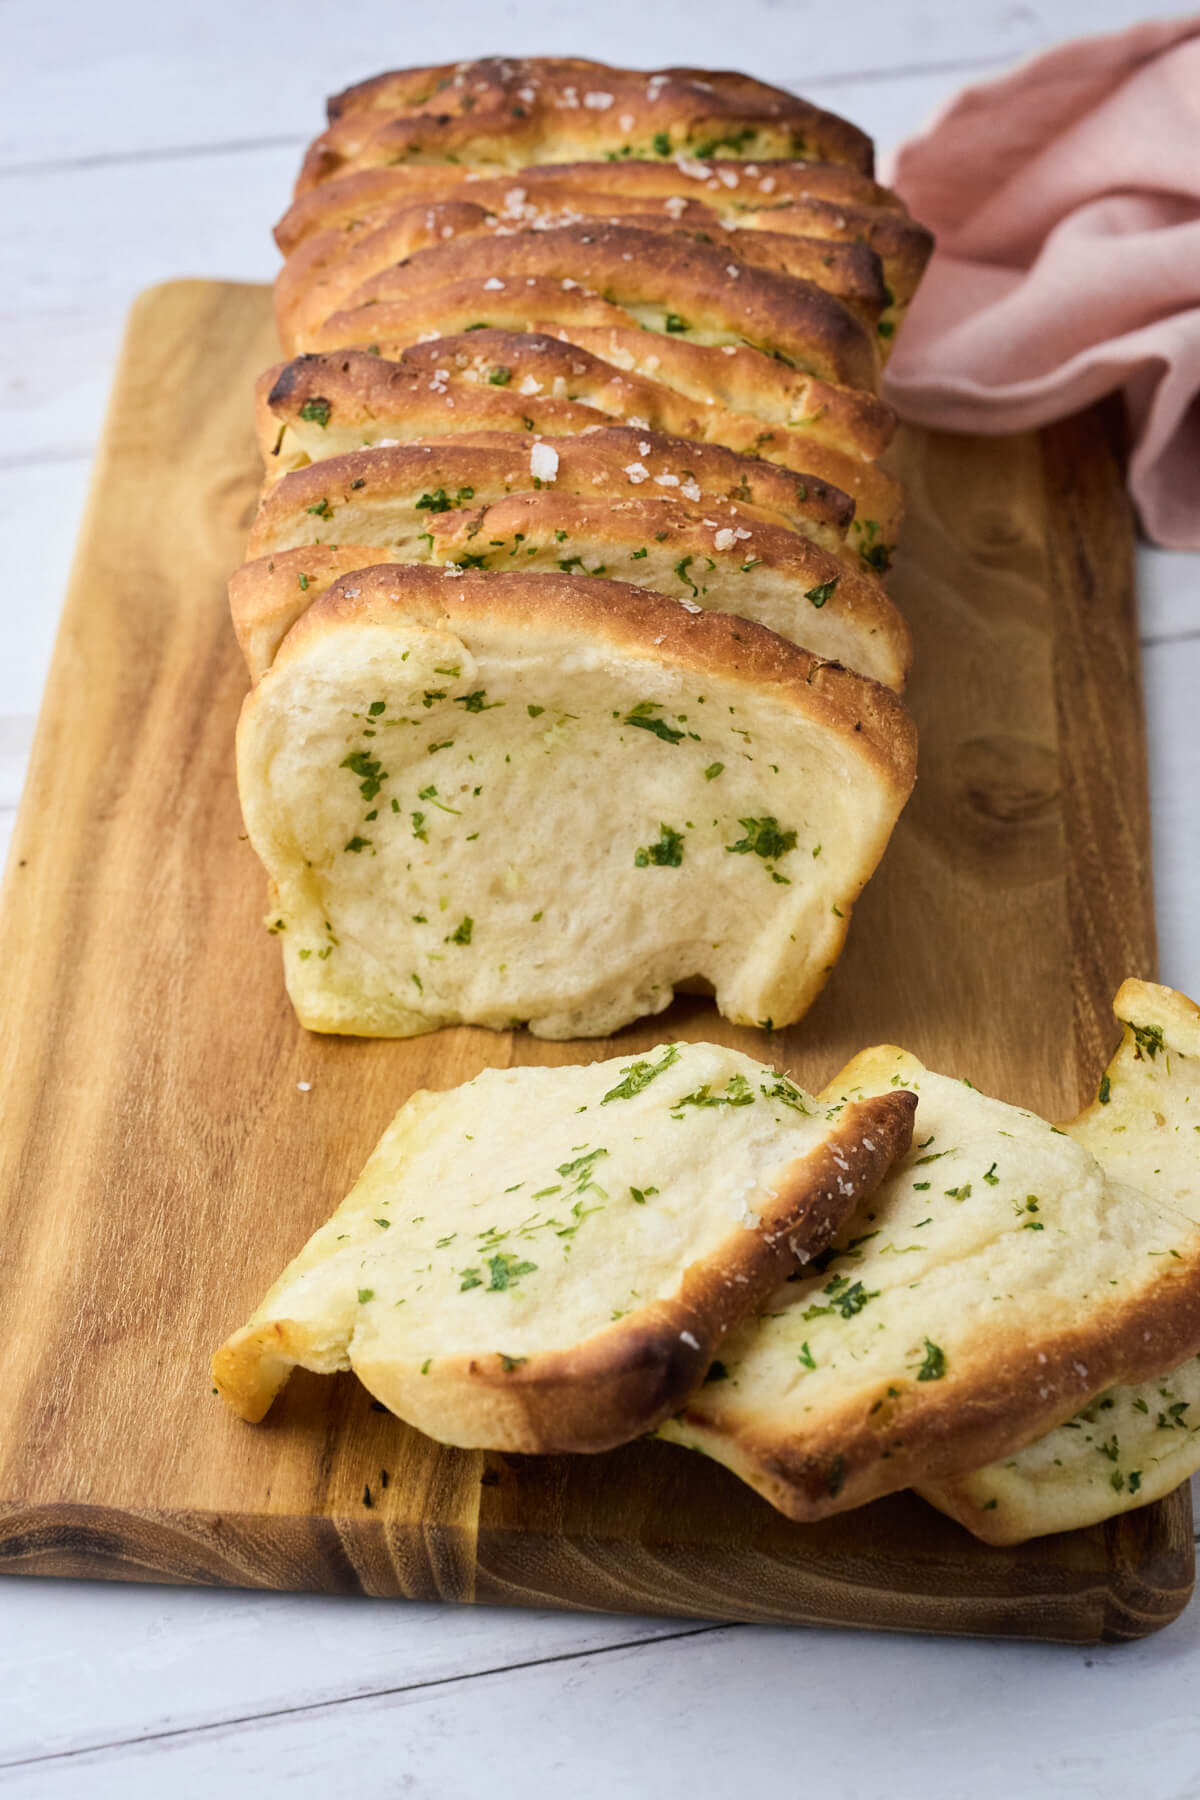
(502, 799)
(997, 1281)
(547, 1259)
(1136, 1443)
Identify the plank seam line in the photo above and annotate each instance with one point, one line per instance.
(53, 453)
(995, 60)
(105, 159)
(1171, 637)
(320, 1706)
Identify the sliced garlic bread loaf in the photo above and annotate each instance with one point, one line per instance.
(997, 1282)
(506, 799)
(1132, 1444)
(547, 1259)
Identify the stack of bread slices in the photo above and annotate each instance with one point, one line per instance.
(575, 676)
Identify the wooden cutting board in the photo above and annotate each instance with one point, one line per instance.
(160, 1161)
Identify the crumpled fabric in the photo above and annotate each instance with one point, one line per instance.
(1065, 197)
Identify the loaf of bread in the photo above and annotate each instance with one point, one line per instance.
(999, 1281)
(548, 1259)
(599, 331)
(517, 798)
(1132, 1444)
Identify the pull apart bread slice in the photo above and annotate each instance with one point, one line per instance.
(327, 273)
(547, 1259)
(505, 112)
(825, 202)
(561, 504)
(626, 275)
(535, 384)
(533, 799)
(389, 494)
(998, 1281)
(1132, 1444)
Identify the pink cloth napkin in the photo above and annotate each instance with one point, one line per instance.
(1066, 202)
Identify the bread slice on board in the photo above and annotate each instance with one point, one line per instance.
(1132, 1444)
(997, 1282)
(548, 1259)
(505, 799)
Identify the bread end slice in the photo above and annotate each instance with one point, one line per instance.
(569, 1307)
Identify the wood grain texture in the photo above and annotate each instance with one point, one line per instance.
(158, 1163)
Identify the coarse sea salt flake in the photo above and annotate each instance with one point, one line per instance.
(598, 102)
(637, 472)
(543, 462)
(723, 539)
(306, 1086)
(494, 285)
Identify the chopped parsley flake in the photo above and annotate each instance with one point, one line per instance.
(764, 837)
(667, 853)
(639, 1075)
(642, 717)
(738, 1092)
(440, 501)
(819, 595)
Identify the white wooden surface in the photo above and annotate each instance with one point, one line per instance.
(139, 142)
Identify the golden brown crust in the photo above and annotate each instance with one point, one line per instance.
(696, 287)
(984, 1410)
(627, 1378)
(552, 387)
(268, 594)
(328, 270)
(598, 463)
(628, 619)
(509, 112)
(717, 555)
(839, 202)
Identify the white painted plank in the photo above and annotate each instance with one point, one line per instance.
(1172, 683)
(147, 1660)
(856, 1716)
(1168, 594)
(93, 80)
(56, 369)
